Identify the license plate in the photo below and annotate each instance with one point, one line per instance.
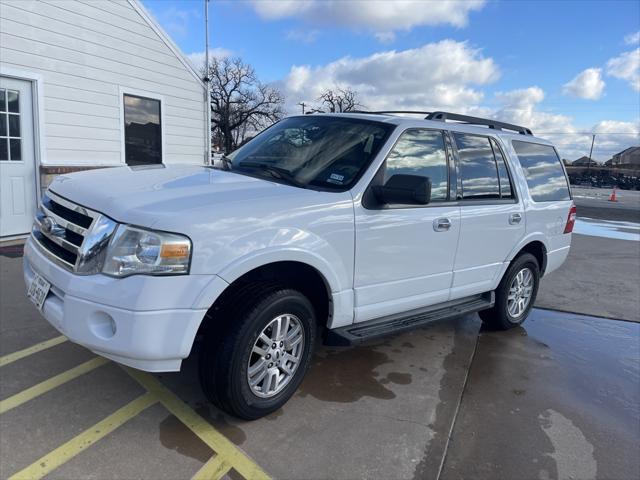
(38, 291)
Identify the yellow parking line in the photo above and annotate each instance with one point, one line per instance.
(12, 357)
(224, 448)
(214, 469)
(43, 387)
(76, 445)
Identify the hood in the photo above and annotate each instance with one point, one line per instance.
(145, 195)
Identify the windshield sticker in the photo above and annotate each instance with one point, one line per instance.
(335, 178)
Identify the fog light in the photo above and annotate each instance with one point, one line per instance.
(102, 325)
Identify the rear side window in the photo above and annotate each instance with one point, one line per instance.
(477, 167)
(421, 152)
(503, 174)
(543, 172)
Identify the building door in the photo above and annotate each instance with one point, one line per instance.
(17, 160)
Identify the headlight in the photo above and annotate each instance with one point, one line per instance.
(135, 251)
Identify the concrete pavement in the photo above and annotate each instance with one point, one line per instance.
(557, 398)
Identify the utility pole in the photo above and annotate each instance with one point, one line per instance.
(303, 105)
(593, 140)
(206, 79)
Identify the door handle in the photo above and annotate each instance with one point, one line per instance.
(441, 224)
(515, 219)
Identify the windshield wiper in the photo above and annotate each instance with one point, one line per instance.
(276, 172)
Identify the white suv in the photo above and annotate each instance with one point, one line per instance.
(348, 225)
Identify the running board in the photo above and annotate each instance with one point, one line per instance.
(359, 333)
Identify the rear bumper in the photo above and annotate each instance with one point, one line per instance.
(130, 331)
(556, 258)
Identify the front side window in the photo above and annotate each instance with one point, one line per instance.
(421, 152)
(543, 171)
(142, 130)
(312, 151)
(477, 167)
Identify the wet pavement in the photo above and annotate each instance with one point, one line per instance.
(601, 277)
(557, 398)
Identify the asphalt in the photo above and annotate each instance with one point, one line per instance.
(556, 398)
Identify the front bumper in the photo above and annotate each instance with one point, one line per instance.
(145, 322)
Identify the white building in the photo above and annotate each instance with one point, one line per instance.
(89, 84)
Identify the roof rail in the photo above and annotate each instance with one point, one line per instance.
(444, 116)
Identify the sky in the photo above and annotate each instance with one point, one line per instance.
(565, 69)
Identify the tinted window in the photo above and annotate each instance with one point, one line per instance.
(477, 167)
(328, 152)
(421, 152)
(543, 172)
(142, 134)
(505, 183)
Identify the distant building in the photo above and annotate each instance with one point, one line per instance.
(584, 162)
(629, 157)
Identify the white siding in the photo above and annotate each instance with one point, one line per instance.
(87, 54)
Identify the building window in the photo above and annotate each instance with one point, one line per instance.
(10, 138)
(142, 130)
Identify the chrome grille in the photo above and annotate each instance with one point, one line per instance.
(60, 229)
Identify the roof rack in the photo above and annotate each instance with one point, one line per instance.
(444, 116)
(385, 112)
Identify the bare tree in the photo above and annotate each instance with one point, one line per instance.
(340, 100)
(241, 105)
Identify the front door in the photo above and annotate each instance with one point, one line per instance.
(17, 163)
(405, 253)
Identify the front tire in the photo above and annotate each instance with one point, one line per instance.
(515, 295)
(256, 355)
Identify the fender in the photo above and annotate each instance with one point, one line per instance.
(530, 237)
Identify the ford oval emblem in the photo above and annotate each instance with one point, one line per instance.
(49, 225)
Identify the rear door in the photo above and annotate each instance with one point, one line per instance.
(491, 217)
(405, 253)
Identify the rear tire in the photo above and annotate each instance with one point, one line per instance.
(242, 373)
(515, 295)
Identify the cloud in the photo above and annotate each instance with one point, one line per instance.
(304, 36)
(385, 37)
(588, 84)
(626, 66)
(522, 107)
(437, 75)
(197, 58)
(632, 38)
(378, 16)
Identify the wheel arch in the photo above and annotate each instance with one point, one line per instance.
(538, 249)
(301, 276)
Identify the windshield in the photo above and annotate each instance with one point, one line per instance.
(325, 152)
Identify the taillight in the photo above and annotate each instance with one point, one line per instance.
(571, 220)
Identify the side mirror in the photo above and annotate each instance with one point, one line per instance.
(405, 190)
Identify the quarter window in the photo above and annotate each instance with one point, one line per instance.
(10, 135)
(543, 172)
(421, 152)
(142, 130)
(477, 167)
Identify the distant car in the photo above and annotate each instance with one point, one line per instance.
(361, 224)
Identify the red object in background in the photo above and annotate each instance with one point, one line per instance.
(613, 198)
(571, 220)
